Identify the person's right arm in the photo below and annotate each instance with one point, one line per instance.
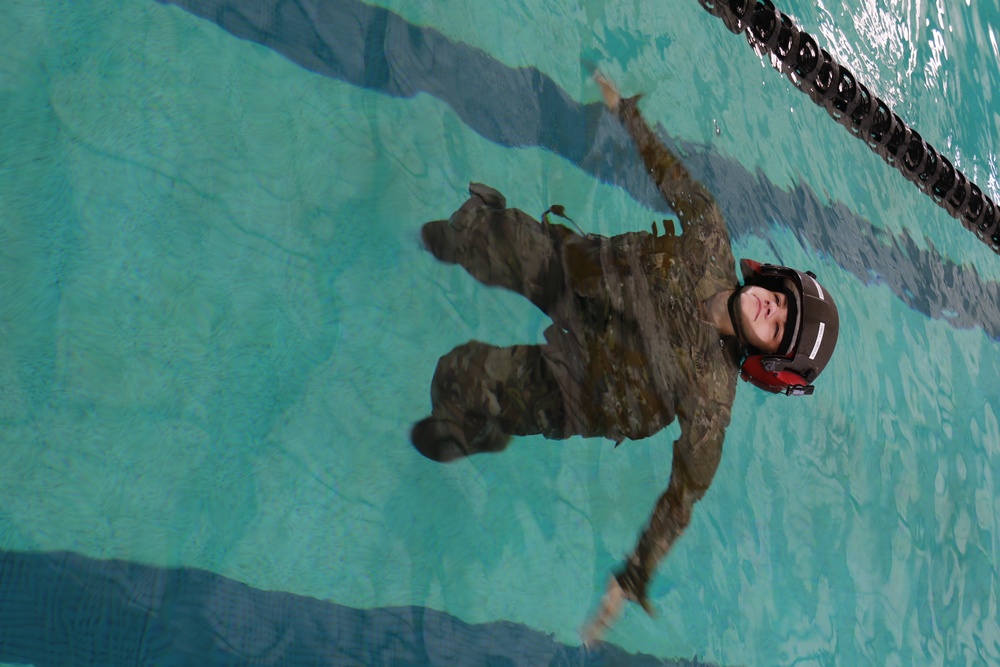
(687, 197)
(697, 454)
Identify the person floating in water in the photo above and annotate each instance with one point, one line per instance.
(646, 328)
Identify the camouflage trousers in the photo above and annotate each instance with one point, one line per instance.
(477, 386)
(565, 386)
(512, 389)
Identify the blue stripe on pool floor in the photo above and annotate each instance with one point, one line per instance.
(61, 608)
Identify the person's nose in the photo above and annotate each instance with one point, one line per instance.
(772, 309)
(777, 312)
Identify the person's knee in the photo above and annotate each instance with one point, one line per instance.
(464, 364)
(439, 440)
(489, 196)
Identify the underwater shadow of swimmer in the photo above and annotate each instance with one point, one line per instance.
(375, 48)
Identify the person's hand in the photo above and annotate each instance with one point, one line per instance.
(611, 607)
(608, 89)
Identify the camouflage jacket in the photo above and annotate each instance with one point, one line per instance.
(632, 350)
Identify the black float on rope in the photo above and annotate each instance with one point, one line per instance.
(834, 87)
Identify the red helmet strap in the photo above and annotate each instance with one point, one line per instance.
(778, 382)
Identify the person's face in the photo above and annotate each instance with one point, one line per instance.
(763, 314)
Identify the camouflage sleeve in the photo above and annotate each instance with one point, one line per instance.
(696, 457)
(695, 207)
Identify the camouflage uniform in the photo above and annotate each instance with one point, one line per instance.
(628, 349)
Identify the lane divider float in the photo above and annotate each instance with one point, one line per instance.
(834, 87)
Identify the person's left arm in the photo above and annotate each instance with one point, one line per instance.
(696, 458)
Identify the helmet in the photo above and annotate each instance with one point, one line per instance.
(810, 330)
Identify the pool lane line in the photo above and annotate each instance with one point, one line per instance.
(833, 86)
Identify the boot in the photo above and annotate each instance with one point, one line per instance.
(443, 441)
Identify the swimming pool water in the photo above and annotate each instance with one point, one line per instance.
(218, 325)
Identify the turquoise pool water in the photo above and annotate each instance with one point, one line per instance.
(218, 323)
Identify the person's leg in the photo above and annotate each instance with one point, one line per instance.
(502, 247)
(482, 395)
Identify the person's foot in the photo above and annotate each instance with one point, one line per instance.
(439, 440)
(489, 440)
(438, 238)
(443, 441)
